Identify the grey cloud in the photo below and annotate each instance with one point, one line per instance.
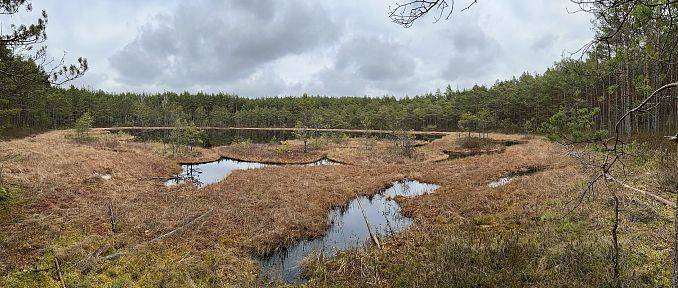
(375, 58)
(274, 47)
(264, 83)
(366, 63)
(545, 42)
(473, 52)
(213, 42)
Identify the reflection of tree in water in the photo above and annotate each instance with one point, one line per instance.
(191, 173)
(348, 230)
(406, 187)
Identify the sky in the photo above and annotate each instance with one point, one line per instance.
(334, 48)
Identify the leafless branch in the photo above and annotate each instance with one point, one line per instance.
(407, 13)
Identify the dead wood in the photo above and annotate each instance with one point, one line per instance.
(176, 231)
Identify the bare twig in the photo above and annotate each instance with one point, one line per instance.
(407, 13)
(58, 270)
(112, 216)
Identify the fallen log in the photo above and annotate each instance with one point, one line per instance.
(647, 194)
(58, 270)
(176, 231)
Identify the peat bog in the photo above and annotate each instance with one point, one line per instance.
(305, 221)
(203, 174)
(352, 227)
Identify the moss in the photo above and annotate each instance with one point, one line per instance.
(549, 216)
(29, 279)
(471, 259)
(571, 227)
(4, 194)
(639, 212)
(552, 202)
(144, 268)
(649, 265)
(10, 197)
(484, 220)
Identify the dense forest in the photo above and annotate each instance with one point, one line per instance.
(634, 53)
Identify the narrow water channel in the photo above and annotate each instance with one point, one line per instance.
(501, 182)
(208, 173)
(509, 178)
(348, 230)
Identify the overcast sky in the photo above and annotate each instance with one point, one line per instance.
(336, 48)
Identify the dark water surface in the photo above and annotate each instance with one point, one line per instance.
(214, 138)
(348, 230)
(208, 173)
(204, 174)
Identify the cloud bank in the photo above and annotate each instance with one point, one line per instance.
(270, 48)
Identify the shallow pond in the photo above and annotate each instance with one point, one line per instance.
(509, 178)
(501, 182)
(208, 173)
(213, 138)
(348, 230)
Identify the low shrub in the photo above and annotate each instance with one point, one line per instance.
(83, 126)
(640, 212)
(245, 144)
(318, 143)
(403, 143)
(4, 194)
(473, 259)
(339, 138)
(474, 142)
(283, 148)
(667, 174)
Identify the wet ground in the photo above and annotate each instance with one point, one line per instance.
(208, 173)
(348, 230)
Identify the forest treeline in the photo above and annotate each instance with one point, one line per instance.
(617, 70)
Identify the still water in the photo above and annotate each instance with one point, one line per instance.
(348, 230)
(205, 174)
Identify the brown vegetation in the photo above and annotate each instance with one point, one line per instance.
(373, 152)
(64, 208)
(291, 152)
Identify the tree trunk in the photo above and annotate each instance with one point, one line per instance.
(674, 278)
(615, 243)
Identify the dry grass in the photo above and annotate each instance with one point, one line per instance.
(193, 156)
(272, 153)
(520, 234)
(64, 206)
(374, 152)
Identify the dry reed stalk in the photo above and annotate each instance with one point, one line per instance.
(58, 270)
(369, 227)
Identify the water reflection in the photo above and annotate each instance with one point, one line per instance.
(205, 174)
(348, 230)
(501, 182)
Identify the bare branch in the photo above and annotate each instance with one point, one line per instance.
(407, 13)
